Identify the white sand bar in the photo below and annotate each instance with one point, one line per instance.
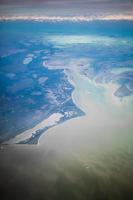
(52, 120)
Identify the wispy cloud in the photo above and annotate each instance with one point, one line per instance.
(68, 18)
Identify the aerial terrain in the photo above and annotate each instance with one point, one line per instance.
(66, 107)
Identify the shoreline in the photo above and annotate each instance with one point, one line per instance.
(50, 121)
(97, 117)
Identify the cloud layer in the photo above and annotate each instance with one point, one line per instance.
(70, 18)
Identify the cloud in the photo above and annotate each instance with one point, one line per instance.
(65, 18)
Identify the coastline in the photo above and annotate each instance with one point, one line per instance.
(89, 129)
(50, 121)
(86, 130)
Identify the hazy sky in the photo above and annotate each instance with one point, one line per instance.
(43, 2)
(66, 7)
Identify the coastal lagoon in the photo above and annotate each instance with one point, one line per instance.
(66, 112)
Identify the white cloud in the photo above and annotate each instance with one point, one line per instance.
(81, 18)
